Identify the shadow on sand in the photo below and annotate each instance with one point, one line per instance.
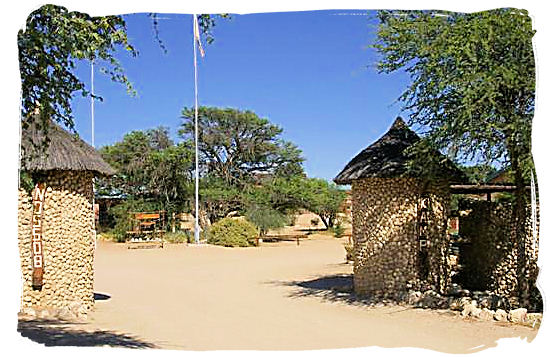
(59, 333)
(101, 297)
(338, 288)
(333, 288)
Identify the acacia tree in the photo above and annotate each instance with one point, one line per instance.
(472, 89)
(149, 165)
(238, 146)
(324, 199)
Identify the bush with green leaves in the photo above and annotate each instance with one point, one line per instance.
(231, 232)
(178, 237)
(338, 230)
(266, 218)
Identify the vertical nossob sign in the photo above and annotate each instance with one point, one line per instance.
(38, 195)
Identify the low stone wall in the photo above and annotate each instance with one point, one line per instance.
(385, 234)
(68, 247)
(490, 258)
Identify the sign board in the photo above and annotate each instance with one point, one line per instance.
(37, 254)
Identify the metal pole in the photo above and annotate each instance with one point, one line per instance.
(197, 227)
(92, 103)
(93, 145)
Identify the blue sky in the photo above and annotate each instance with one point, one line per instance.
(312, 73)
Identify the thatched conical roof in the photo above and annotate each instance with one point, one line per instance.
(386, 157)
(63, 151)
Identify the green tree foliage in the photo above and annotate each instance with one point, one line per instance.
(324, 199)
(52, 42)
(150, 166)
(473, 79)
(231, 232)
(479, 174)
(219, 199)
(265, 218)
(237, 145)
(288, 194)
(49, 46)
(472, 89)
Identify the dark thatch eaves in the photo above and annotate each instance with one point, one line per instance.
(63, 151)
(386, 158)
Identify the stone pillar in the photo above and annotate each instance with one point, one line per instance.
(68, 247)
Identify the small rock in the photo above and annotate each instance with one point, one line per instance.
(476, 312)
(467, 310)
(414, 297)
(534, 318)
(464, 301)
(500, 315)
(518, 315)
(486, 314)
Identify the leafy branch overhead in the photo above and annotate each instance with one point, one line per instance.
(472, 79)
(53, 40)
(51, 44)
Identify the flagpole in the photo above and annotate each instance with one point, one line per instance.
(92, 102)
(93, 145)
(197, 227)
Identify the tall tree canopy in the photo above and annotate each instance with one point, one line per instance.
(149, 165)
(472, 89)
(237, 146)
(473, 79)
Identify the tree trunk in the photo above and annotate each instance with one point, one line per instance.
(519, 231)
(324, 220)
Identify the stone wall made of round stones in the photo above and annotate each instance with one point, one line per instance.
(68, 245)
(490, 263)
(385, 234)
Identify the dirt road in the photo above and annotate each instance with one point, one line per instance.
(276, 297)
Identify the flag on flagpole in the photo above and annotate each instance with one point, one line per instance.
(197, 34)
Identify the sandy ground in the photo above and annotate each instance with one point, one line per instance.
(276, 297)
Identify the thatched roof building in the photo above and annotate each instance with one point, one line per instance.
(63, 151)
(387, 158)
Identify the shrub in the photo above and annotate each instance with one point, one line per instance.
(108, 236)
(231, 232)
(349, 252)
(338, 230)
(177, 237)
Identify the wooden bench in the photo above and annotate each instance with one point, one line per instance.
(276, 237)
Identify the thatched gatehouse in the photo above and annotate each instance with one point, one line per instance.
(56, 222)
(399, 219)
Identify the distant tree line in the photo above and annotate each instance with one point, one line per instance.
(246, 168)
